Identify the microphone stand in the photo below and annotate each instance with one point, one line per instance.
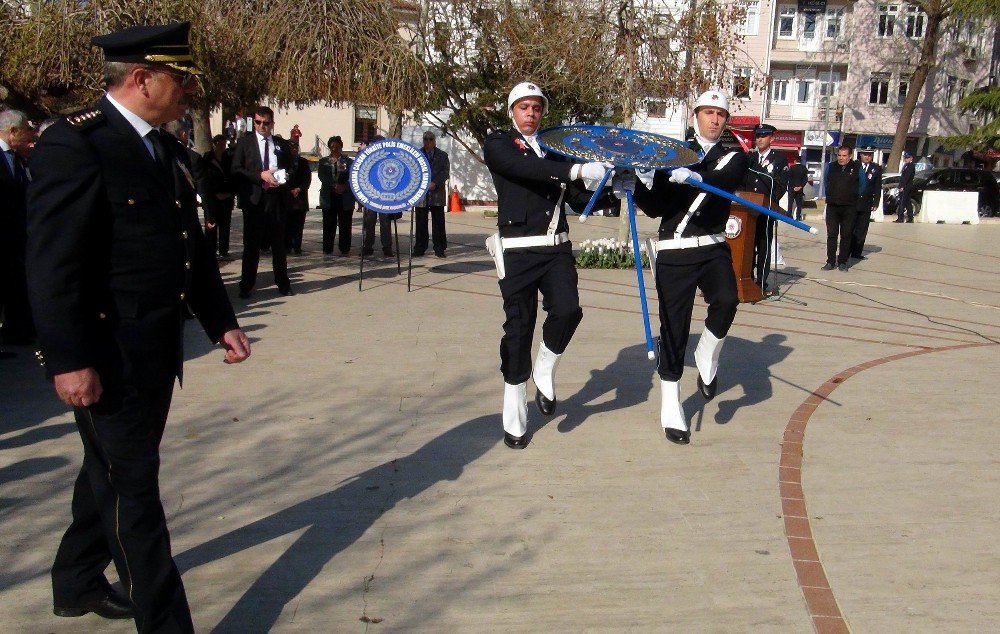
(777, 295)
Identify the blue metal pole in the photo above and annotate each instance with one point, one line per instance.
(650, 350)
(593, 198)
(798, 224)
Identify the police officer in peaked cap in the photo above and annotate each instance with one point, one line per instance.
(116, 256)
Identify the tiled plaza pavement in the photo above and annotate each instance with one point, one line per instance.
(351, 476)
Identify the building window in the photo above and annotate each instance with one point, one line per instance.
(741, 82)
(949, 91)
(656, 108)
(916, 21)
(834, 23)
(779, 91)
(879, 92)
(829, 87)
(365, 123)
(809, 20)
(887, 19)
(904, 88)
(751, 20)
(803, 93)
(786, 23)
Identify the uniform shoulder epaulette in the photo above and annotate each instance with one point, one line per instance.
(85, 119)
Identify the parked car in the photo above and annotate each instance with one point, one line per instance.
(956, 179)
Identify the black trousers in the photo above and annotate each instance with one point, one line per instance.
(294, 227)
(675, 288)
(763, 240)
(259, 221)
(337, 217)
(384, 230)
(839, 230)
(905, 206)
(551, 271)
(218, 236)
(796, 198)
(862, 219)
(117, 513)
(18, 325)
(437, 229)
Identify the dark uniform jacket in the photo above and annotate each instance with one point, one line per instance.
(13, 188)
(872, 180)
(528, 186)
(332, 173)
(798, 176)
(767, 175)
(214, 178)
(247, 166)
(115, 248)
(301, 178)
(842, 183)
(671, 201)
(906, 176)
(440, 173)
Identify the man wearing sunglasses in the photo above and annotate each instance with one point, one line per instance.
(262, 166)
(116, 257)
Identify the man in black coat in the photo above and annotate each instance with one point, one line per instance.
(533, 255)
(217, 195)
(798, 178)
(692, 253)
(298, 189)
(335, 197)
(435, 200)
(869, 194)
(16, 139)
(262, 165)
(904, 210)
(767, 173)
(116, 256)
(842, 186)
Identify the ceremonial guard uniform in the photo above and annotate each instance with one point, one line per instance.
(767, 173)
(870, 192)
(692, 253)
(116, 254)
(533, 255)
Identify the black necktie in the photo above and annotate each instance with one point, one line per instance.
(159, 150)
(267, 154)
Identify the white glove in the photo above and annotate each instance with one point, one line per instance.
(281, 176)
(593, 171)
(623, 181)
(682, 174)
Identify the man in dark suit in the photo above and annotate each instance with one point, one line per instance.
(904, 210)
(869, 194)
(116, 257)
(533, 254)
(298, 189)
(841, 208)
(335, 197)
(767, 173)
(798, 178)
(262, 165)
(16, 139)
(433, 203)
(692, 253)
(217, 195)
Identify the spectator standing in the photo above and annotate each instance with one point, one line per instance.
(798, 178)
(261, 165)
(17, 139)
(904, 212)
(298, 186)
(218, 195)
(841, 208)
(869, 192)
(335, 197)
(767, 173)
(116, 256)
(434, 202)
(295, 134)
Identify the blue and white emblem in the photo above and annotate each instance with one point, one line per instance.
(390, 176)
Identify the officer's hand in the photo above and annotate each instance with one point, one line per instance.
(79, 388)
(683, 174)
(267, 177)
(237, 346)
(593, 171)
(623, 181)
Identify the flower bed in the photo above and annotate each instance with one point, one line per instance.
(608, 253)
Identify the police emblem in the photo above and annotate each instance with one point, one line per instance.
(390, 176)
(623, 147)
(734, 227)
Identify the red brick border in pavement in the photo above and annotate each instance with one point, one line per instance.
(821, 602)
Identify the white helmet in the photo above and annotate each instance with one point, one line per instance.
(712, 98)
(526, 89)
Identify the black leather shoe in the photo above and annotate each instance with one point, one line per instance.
(245, 294)
(677, 436)
(367, 251)
(440, 254)
(828, 267)
(388, 253)
(113, 606)
(545, 406)
(708, 391)
(909, 220)
(842, 267)
(859, 257)
(515, 442)
(286, 291)
(898, 220)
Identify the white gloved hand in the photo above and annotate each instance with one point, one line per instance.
(682, 174)
(281, 176)
(623, 181)
(594, 171)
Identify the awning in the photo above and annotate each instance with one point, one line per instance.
(743, 121)
(787, 140)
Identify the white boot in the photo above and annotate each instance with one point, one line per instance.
(706, 357)
(544, 376)
(515, 414)
(672, 414)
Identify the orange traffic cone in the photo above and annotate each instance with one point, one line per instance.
(455, 202)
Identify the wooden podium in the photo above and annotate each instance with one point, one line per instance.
(741, 232)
